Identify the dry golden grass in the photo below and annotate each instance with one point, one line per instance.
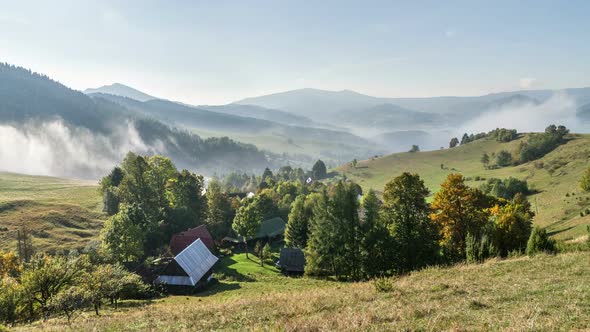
(541, 293)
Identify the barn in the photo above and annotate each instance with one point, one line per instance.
(291, 261)
(180, 241)
(189, 267)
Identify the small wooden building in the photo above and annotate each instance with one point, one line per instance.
(291, 261)
(180, 241)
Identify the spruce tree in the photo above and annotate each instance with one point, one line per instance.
(297, 226)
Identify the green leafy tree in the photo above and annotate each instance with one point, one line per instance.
(513, 223)
(485, 160)
(124, 234)
(45, 277)
(220, 213)
(454, 142)
(406, 214)
(319, 170)
(247, 222)
(503, 158)
(414, 148)
(187, 202)
(296, 232)
(70, 302)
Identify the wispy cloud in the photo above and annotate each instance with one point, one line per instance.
(526, 82)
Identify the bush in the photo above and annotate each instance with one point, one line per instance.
(585, 181)
(507, 188)
(539, 242)
(383, 285)
(503, 158)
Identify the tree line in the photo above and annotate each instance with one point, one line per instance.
(401, 232)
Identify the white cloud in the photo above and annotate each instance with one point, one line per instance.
(526, 82)
(450, 33)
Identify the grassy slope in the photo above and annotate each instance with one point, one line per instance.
(561, 214)
(516, 294)
(60, 213)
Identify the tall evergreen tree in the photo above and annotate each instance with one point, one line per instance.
(320, 251)
(319, 170)
(296, 232)
(376, 244)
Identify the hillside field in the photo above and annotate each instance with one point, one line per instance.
(515, 294)
(554, 178)
(61, 214)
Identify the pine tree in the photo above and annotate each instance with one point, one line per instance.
(320, 251)
(296, 232)
(376, 244)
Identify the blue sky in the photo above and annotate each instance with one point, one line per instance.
(220, 51)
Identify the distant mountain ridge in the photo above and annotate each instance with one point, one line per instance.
(121, 90)
(84, 136)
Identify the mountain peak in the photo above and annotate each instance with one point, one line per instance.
(121, 90)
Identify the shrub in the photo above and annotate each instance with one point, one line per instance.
(507, 188)
(539, 242)
(503, 158)
(585, 181)
(10, 292)
(383, 285)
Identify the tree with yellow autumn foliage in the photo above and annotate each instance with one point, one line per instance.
(9, 264)
(459, 210)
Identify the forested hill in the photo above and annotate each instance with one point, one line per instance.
(83, 137)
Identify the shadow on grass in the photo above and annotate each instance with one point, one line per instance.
(224, 272)
(560, 231)
(218, 287)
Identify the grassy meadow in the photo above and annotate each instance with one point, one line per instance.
(515, 294)
(60, 213)
(554, 178)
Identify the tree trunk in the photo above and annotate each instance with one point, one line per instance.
(96, 309)
(246, 245)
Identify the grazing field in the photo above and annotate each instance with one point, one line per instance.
(61, 214)
(515, 294)
(554, 178)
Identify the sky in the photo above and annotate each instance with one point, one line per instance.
(215, 52)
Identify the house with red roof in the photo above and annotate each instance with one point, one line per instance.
(180, 241)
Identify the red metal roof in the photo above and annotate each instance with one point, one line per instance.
(180, 241)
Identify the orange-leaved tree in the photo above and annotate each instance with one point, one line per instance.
(459, 210)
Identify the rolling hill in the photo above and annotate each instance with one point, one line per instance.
(554, 177)
(514, 294)
(61, 214)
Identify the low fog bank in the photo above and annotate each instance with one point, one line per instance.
(528, 117)
(560, 109)
(55, 149)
